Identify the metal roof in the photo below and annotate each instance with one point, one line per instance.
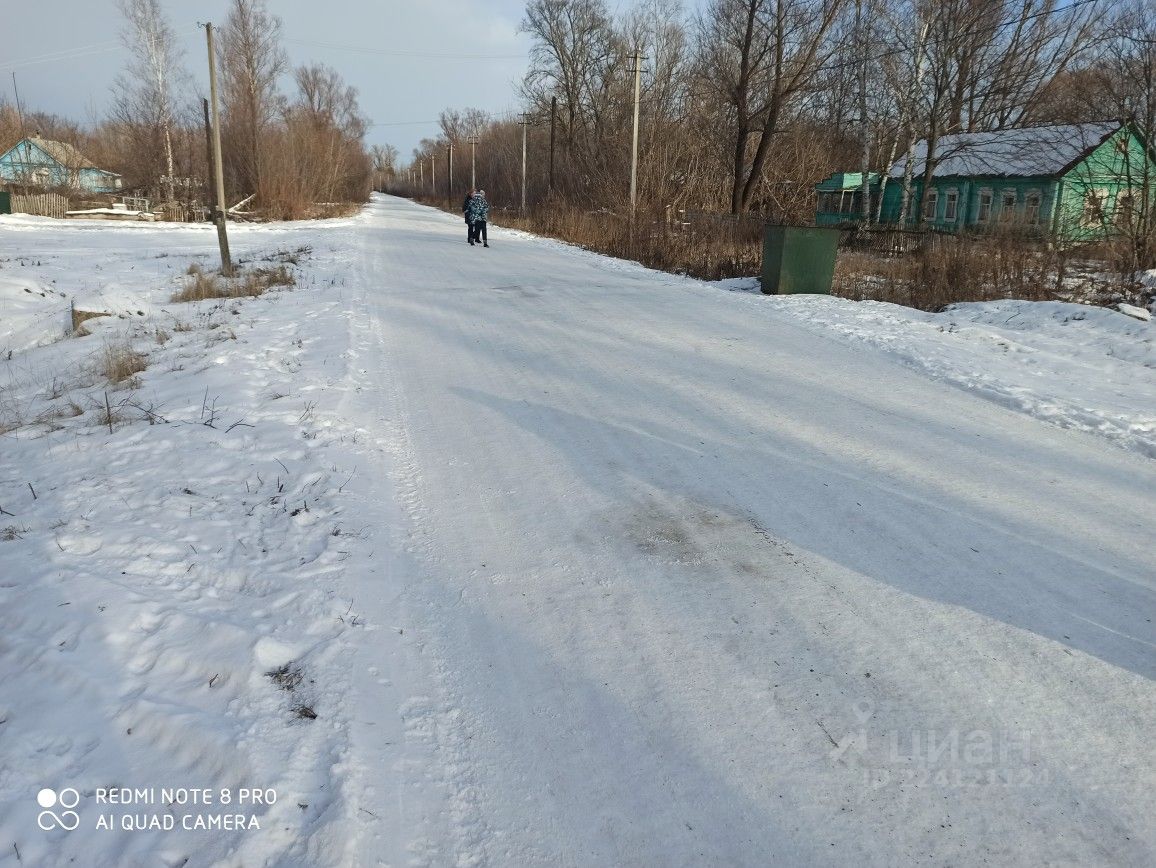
(1025, 152)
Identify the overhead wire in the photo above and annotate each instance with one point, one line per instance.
(79, 51)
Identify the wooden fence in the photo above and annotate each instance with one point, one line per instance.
(40, 204)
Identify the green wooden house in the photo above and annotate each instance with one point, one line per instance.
(1076, 182)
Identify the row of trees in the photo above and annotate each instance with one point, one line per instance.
(745, 104)
(289, 151)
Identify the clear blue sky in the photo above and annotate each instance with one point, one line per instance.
(395, 89)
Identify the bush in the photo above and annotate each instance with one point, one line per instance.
(118, 362)
(247, 284)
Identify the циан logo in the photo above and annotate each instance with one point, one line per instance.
(67, 819)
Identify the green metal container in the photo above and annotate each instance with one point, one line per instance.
(798, 259)
(5, 202)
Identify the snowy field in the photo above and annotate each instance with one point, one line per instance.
(528, 556)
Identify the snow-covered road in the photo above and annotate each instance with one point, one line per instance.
(577, 564)
(697, 586)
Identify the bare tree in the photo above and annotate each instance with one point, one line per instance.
(145, 94)
(758, 58)
(251, 59)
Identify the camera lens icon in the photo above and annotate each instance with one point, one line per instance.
(67, 819)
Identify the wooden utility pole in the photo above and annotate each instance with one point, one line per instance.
(634, 143)
(525, 122)
(433, 175)
(553, 134)
(208, 151)
(450, 183)
(473, 140)
(218, 169)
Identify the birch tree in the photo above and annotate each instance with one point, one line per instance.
(145, 94)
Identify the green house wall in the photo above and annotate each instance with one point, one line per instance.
(970, 190)
(1119, 166)
(1116, 166)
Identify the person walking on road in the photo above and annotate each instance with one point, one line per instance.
(466, 214)
(477, 214)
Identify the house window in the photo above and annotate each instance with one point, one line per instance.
(1032, 208)
(1125, 210)
(1007, 206)
(1094, 202)
(951, 206)
(983, 215)
(931, 205)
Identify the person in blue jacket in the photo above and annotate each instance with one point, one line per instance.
(477, 214)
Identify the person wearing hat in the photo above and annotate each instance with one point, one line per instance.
(466, 214)
(477, 215)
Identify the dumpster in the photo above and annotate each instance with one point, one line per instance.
(798, 259)
(5, 202)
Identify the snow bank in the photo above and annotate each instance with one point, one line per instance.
(1076, 366)
(172, 611)
(31, 313)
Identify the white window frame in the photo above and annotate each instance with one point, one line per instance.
(1008, 214)
(931, 204)
(985, 205)
(1033, 206)
(950, 205)
(1095, 211)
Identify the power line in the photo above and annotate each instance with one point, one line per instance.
(78, 51)
(402, 52)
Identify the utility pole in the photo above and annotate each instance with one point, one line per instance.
(634, 143)
(218, 169)
(525, 122)
(208, 151)
(473, 140)
(450, 183)
(553, 133)
(421, 175)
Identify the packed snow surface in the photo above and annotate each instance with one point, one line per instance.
(529, 556)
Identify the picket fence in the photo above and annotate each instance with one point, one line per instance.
(40, 204)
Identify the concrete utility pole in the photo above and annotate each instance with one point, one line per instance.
(525, 122)
(421, 175)
(219, 171)
(433, 175)
(450, 183)
(473, 140)
(634, 143)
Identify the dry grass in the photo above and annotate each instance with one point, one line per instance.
(118, 362)
(709, 247)
(250, 283)
(326, 210)
(950, 270)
